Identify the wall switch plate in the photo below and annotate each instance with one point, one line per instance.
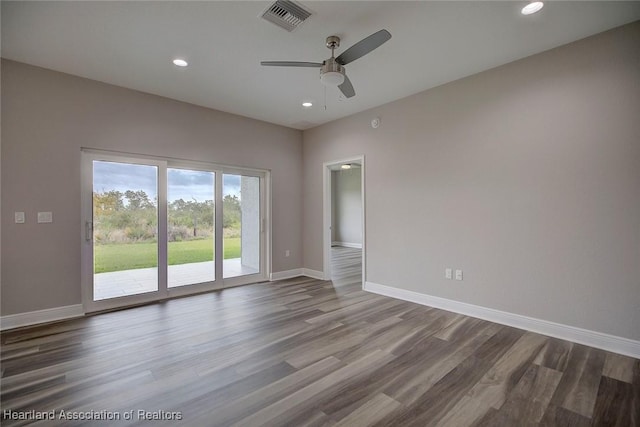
(458, 274)
(287, 253)
(19, 217)
(45, 217)
(448, 273)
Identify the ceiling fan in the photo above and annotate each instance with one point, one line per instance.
(332, 72)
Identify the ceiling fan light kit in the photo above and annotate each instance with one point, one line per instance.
(332, 71)
(332, 78)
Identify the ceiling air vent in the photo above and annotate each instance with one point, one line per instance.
(286, 14)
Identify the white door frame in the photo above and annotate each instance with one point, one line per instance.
(326, 214)
(87, 288)
(87, 157)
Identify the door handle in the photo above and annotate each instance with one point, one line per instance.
(88, 231)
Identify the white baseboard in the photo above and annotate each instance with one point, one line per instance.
(287, 274)
(347, 245)
(314, 274)
(41, 316)
(595, 339)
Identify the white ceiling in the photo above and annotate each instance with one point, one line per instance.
(131, 44)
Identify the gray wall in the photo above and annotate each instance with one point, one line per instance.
(526, 176)
(48, 116)
(346, 206)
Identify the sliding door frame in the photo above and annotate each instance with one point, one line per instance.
(88, 156)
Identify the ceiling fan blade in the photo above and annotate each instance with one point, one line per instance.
(291, 64)
(347, 88)
(363, 47)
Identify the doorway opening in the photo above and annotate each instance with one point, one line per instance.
(344, 216)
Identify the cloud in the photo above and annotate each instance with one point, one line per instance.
(182, 183)
(231, 185)
(109, 176)
(188, 177)
(188, 185)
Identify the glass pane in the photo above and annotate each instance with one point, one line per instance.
(191, 219)
(125, 229)
(241, 225)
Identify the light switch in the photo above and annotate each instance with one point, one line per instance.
(45, 217)
(19, 217)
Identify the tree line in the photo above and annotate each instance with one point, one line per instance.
(131, 216)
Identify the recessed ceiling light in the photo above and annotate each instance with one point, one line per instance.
(532, 7)
(180, 62)
(347, 166)
(307, 104)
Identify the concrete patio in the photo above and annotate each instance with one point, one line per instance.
(131, 282)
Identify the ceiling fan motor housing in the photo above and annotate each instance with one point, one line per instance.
(331, 73)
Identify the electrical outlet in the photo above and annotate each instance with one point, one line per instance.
(19, 217)
(448, 273)
(287, 253)
(458, 274)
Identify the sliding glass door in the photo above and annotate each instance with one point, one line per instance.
(191, 227)
(125, 229)
(160, 228)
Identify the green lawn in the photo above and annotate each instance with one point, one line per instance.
(129, 256)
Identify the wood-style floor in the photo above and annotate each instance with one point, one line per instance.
(305, 352)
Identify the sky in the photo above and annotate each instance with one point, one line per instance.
(183, 184)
